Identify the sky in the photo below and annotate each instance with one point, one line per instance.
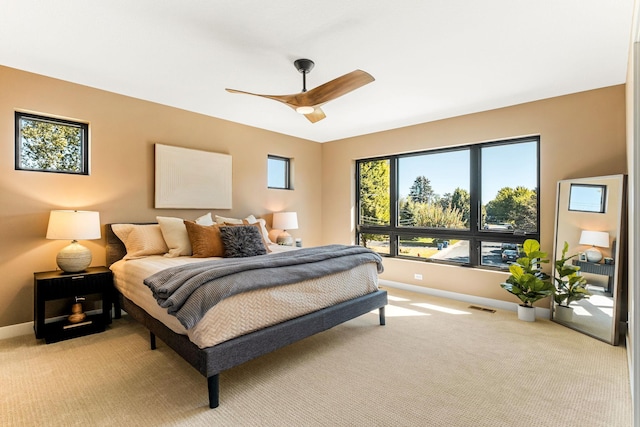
(501, 167)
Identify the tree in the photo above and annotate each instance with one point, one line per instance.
(421, 190)
(405, 209)
(374, 192)
(516, 206)
(50, 146)
(459, 200)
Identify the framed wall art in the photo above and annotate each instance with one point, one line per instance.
(192, 179)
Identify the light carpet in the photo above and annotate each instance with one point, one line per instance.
(436, 363)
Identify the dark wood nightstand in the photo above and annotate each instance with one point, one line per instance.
(58, 285)
(597, 268)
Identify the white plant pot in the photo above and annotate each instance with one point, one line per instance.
(528, 314)
(563, 313)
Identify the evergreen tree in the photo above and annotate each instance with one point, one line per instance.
(421, 190)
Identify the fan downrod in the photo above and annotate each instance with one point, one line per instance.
(304, 66)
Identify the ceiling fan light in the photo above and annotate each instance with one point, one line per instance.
(305, 110)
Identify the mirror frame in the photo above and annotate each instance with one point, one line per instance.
(617, 185)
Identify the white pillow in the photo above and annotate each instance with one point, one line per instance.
(176, 236)
(141, 240)
(205, 219)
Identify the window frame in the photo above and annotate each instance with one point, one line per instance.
(475, 234)
(287, 172)
(84, 127)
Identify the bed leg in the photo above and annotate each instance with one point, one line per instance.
(213, 383)
(382, 318)
(152, 340)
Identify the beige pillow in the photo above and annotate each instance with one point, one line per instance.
(205, 240)
(141, 240)
(175, 236)
(263, 227)
(221, 220)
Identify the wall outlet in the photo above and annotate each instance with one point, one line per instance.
(417, 276)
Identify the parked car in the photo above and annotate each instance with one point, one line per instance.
(510, 255)
(510, 246)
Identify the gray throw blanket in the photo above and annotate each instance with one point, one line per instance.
(189, 291)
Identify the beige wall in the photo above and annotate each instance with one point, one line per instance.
(582, 135)
(120, 186)
(588, 128)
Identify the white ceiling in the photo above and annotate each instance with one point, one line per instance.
(431, 59)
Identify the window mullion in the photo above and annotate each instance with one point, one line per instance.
(393, 205)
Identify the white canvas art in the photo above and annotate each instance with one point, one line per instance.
(192, 179)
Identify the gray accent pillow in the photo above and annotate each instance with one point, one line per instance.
(242, 241)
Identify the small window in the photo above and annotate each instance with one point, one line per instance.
(46, 144)
(278, 169)
(587, 198)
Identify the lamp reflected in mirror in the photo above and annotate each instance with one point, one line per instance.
(593, 239)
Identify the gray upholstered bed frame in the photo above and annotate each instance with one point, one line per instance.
(211, 361)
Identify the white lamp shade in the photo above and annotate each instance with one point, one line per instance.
(594, 238)
(285, 220)
(73, 225)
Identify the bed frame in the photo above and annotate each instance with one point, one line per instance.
(211, 361)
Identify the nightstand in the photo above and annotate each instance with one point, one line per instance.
(597, 268)
(58, 285)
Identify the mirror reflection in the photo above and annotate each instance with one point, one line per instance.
(587, 255)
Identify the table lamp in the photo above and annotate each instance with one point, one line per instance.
(594, 238)
(74, 226)
(285, 221)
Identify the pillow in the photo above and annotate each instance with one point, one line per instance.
(242, 241)
(256, 225)
(205, 219)
(205, 240)
(263, 227)
(250, 220)
(140, 240)
(221, 220)
(175, 234)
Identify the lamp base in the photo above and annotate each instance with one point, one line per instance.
(593, 255)
(74, 258)
(285, 239)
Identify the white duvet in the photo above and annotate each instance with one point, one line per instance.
(247, 312)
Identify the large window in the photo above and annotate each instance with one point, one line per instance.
(473, 205)
(47, 144)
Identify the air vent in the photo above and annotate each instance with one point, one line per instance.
(475, 307)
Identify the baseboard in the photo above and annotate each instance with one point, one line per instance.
(16, 330)
(541, 313)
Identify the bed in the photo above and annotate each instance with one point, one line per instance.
(211, 355)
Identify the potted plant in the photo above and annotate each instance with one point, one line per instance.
(527, 281)
(569, 286)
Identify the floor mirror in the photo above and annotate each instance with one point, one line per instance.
(591, 219)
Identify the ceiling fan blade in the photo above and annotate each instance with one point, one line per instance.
(316, 116)
(285, 99)
(334, 88)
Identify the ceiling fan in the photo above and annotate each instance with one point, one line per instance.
(308, 102)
